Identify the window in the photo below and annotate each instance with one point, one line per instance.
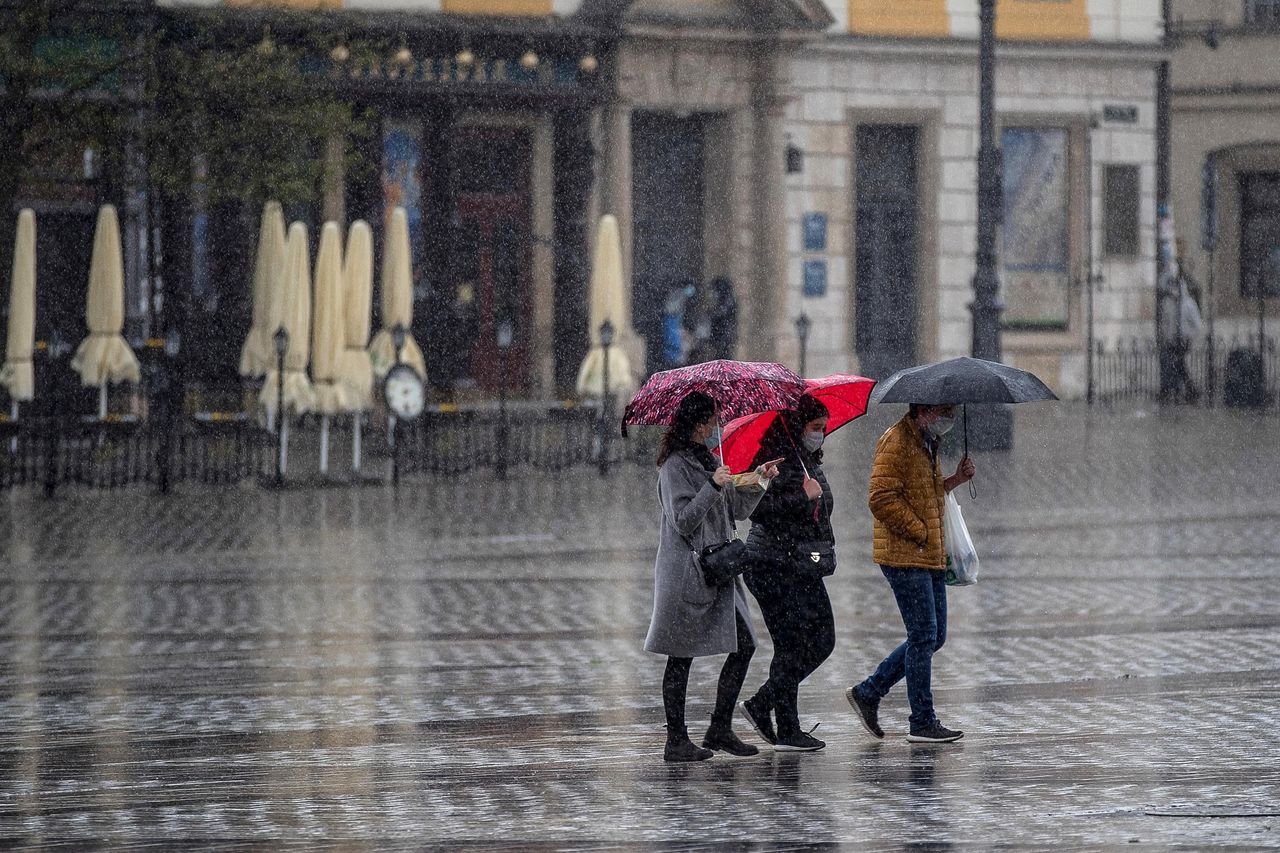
(1121, 193)
(1035, 232)
(1260, 233)
(1262, 13)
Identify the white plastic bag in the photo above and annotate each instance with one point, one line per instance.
(962, 559)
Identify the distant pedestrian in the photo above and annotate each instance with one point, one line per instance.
(906, 497)
(676, 338)
(691, 619)
(715, 323)
(791, 523)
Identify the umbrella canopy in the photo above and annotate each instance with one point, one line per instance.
(607, 304)
(355, 368)
(844, 395)
(328, 333)
(104, 357)
(397, 300)
(16, 375)
(962, 380)
(296, 319)
(738, 387)
(258, 355)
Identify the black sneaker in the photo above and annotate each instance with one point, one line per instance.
(727, 741)
(683, 749)
(799, 742)
(868, 713)
(937, 733)
(758, 717)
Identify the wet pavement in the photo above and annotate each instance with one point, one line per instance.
(462, 661)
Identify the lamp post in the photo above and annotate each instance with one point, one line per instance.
(606, 396)
(398, 336)
(803, 325)
(281, 341)
(995, 431)
(167, 407)
(506, 335)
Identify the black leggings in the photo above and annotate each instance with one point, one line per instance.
(797, 611)
(675, 685)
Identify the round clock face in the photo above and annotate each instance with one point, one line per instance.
(404, 392)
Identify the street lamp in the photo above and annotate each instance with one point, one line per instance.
(996, 428)
(606, 395)
(506, 336)
(281, 341)
(803, 325)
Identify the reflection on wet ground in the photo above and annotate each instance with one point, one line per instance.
(462, 662)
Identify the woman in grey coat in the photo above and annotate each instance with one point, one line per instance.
(691, 619)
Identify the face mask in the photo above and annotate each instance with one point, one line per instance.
(712, 441)
(941, 426)
(812, 441)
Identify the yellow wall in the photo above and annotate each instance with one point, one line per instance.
(499, 7)
(1042, 20)
(911, 18)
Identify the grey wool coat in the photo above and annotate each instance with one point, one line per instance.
(691, 619)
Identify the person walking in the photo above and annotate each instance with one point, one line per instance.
(791, 523)
(906, 495)
(691, 619)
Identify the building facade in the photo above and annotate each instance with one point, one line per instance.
(881, 222)
(1225, 158)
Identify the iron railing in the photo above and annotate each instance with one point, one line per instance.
(1204, 372)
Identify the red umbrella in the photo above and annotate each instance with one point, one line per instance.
(844, 395)
(738, 387)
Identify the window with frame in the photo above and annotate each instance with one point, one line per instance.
(1035, 230)
(1262, 13)
(1259, 234)
(1122, 194)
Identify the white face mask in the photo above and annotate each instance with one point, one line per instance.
(941, 426)
(812, 441)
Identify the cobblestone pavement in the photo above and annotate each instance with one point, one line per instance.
(463, 662)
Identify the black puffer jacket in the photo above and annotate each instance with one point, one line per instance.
(786, 517)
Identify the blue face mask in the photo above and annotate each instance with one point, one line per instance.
(712, 441)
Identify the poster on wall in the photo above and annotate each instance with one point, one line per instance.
(402, 186)
(1035, 250)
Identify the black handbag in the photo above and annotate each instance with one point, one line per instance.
(816, 558)
(722, 562)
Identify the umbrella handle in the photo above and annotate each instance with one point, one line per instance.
(964, 409)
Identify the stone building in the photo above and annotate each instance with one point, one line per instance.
(1225, 129)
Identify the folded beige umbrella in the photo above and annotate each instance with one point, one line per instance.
(607, 303)
(16, 374)
(295, 316)
(104, 357)
(327, 326)
(355, 369)
(258, 356)
(397, 300)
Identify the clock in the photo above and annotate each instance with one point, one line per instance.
(404, 392)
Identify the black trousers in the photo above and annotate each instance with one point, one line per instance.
(797, 611)
(675, 685)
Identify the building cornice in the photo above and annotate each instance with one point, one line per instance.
(1117, 53)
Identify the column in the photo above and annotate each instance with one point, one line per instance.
(544, 288)
(616, 198)
(769, 285)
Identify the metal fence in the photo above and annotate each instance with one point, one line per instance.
(1232, 372)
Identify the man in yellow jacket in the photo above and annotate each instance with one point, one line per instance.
(906, 497)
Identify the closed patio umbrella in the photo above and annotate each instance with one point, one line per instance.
(295, 316)
(397, 300)
(257, 357)
(16, 375)
(607, 302)
(104, 357)
(355, 368)
(328, 335)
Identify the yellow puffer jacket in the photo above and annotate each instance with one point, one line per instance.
(906, 496)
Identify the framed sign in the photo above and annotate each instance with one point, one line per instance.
(815, 232)
(815, 278)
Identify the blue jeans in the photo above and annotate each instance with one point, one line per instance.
(922, 601)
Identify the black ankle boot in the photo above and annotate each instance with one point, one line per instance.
(724, 740)
(680, 748)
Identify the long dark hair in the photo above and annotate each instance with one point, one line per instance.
(695, 410)
(782, 438)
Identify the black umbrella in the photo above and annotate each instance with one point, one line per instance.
(962, 380)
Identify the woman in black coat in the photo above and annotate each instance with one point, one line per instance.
(792, 545)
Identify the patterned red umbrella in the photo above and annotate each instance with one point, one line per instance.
(738, 387)
(844, 395)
